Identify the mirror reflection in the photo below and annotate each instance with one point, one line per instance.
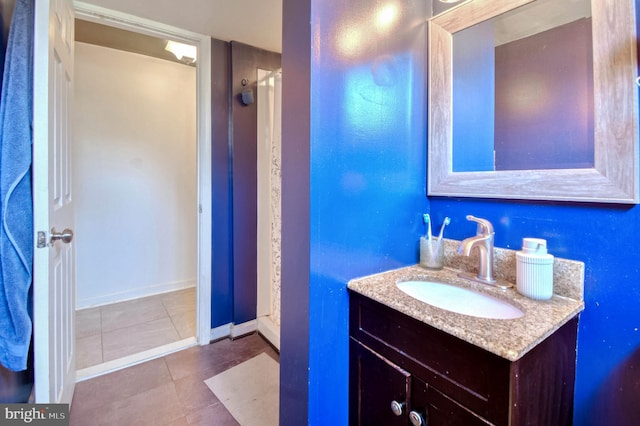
(523, 90)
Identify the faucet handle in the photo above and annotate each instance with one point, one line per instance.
(484, 226)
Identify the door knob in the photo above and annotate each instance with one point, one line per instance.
(65, 236)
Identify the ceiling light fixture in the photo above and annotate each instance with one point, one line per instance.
(183, 52)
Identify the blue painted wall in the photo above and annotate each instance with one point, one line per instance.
(296, 102)
(366, 194)
(609, 330)
(367, 170)
(221, 194)
(234, 205)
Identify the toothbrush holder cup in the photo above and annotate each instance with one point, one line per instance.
(431, 253)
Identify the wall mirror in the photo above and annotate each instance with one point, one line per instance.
(534, 99)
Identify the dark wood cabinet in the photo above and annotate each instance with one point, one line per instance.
(380, 382)
(447, 381)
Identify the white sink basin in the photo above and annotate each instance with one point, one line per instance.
(460, 300)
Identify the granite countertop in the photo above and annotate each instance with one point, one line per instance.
(508, 338)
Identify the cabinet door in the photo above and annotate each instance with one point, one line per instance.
(375, 384)
(444, 411)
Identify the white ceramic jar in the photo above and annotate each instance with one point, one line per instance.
(534, 269)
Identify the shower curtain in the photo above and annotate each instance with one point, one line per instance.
(276, 179)
(270, 87)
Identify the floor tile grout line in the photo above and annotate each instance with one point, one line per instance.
(172, 317)
(159, 297)
(165, 308)
(174, 326)
(145, 321)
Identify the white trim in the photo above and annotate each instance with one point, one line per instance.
(125, 21)
(248, 327)
(137, 358)
(234, 330)
(220, 332)
(269, 330)
(42, 294)
(128, 22)
(203, 76)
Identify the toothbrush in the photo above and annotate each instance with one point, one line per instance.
(427, 221)
(447, 220)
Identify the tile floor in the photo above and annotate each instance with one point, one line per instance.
(114, 331)
(168, 391)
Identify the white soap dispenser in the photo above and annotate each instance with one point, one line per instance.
(534, 269)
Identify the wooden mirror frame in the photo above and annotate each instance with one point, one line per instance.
(614, 177)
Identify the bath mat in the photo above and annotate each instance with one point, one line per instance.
(250, 391)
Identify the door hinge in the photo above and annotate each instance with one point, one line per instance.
(42, 239)
(200, 208)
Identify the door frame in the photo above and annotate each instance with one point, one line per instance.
(136, 24)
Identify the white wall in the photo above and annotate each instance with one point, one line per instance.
(134, 180)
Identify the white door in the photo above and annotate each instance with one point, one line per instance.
(54, 276)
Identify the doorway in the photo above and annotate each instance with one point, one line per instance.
(166, 241)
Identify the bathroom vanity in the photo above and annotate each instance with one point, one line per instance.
(447, 381)
(412, 363)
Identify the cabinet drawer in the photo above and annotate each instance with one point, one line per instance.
(470, 375)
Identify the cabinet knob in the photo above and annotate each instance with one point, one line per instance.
(397, 407)
(416, 419)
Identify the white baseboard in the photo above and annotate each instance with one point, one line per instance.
(248, 327)
(220, 332)
(270, 331)
(135, 293)
(233, 330)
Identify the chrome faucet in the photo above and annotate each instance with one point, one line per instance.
(483, 240)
